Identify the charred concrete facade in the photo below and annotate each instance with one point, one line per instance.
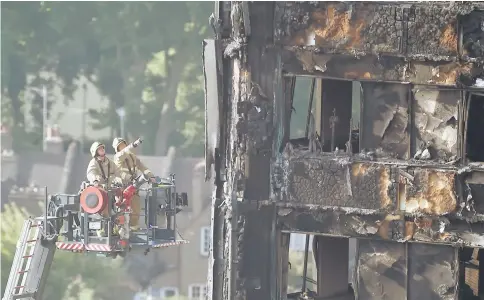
(406, 179)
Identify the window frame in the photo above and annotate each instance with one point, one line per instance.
(169, 288)
(205, 235)
(202, 291)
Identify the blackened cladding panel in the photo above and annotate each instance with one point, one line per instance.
(432, 29)
(320, 181)
(432, 272)
(342, 26)
(391, 28)
(385, 118)
(373, 186)
(382, 270)
(436, 120)
(332, 181)
(432, 192)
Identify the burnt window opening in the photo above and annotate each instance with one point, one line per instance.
(385, 114)
(357, 96)
(302, 272)
(471, 276)
(340, 115)
(327, 112)
(472, 32)
(475, 124)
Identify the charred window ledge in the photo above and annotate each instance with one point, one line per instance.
(380, 67)
(286, 208)
(301, 152)
(357, 54)
(443, 230)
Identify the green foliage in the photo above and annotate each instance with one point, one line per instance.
(145, 56)
(295, 276)
(39, 39)
(71, 274)
(11, 222)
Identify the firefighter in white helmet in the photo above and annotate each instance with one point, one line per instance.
(129, 165)
(101, 170)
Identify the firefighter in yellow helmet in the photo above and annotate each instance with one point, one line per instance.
(129, 165)
(101, 170)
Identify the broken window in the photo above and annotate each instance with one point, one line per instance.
(474, 191)
(327, 112)
(302, 268)
(336, 116)
(435, 123)
(423, 263)
(386, 118)
(382, 267)
(475, 125)
(470, 278)
(472, 27)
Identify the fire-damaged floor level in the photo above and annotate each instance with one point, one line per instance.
(390, 270)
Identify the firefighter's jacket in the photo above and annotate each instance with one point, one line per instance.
(129, 165)
(103, 172)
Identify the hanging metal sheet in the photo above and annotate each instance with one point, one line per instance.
(211, 74)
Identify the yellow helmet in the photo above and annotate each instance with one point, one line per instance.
(94, 147)
(116, 142)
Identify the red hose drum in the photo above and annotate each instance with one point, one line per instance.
(94, 200)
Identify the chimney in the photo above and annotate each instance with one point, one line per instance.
(53, 141)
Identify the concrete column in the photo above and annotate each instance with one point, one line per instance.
(283, 240)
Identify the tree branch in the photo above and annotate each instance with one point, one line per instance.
(165, 125)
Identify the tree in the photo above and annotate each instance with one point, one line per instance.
(145, 56)
(70, 273)
(42, 44)
(295, 276)
(153, 68)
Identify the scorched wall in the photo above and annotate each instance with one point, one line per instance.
(408, 172)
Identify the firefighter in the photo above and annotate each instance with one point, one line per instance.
(101, 170)
(129, 165)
